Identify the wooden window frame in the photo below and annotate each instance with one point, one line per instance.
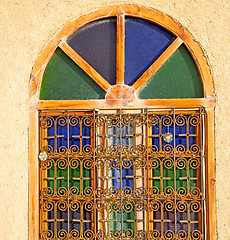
(121, 95)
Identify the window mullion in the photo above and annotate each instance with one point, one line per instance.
(120, 48)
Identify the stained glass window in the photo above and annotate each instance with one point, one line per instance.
(112, 164)
(66, 77)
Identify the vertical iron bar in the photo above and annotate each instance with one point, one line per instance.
(187, 137)
(204, 174)
(55, 134)
(134, 189)
(120, 116)
(201, 170)
(68, 195)
(94, 174)
(134, 179)
(97, 179)
(144, 179)
(160, 138)
(41, 140)
(174, 160)
(147, 160)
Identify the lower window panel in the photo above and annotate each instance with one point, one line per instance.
(122, 174)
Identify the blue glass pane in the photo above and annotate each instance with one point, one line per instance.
(79, 134)
(57, 139)
(185, 133)
(186, 141)
(144, 43)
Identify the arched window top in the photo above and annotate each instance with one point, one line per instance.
(122, 53)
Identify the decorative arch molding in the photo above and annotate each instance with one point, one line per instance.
(207, 101)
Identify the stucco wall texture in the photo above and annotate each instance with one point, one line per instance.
(27, 25)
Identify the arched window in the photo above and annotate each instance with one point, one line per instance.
(121, 131)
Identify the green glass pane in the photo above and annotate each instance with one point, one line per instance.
(63, 175)
(181, 173)
(76, 181)
(156, 173)
(177, 78)
(168, 174)
(115, 224)
(61, 178)
(63, 79)
(168, 178)
(184, 181)
(130, 217)
(193, 176)
(50, 174)
(128, 220)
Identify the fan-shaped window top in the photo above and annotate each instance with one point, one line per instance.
(140, 54)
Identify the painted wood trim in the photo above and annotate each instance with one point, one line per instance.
(33, 176)
(35, 92)
(210, 175)
(84, 65)
(120, 49)
(129, 10)
(157, 64)
(118, 103)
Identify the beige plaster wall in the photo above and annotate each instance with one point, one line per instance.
(26, 25)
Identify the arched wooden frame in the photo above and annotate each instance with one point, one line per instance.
(121, 95)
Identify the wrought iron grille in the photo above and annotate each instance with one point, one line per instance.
(122, 174)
